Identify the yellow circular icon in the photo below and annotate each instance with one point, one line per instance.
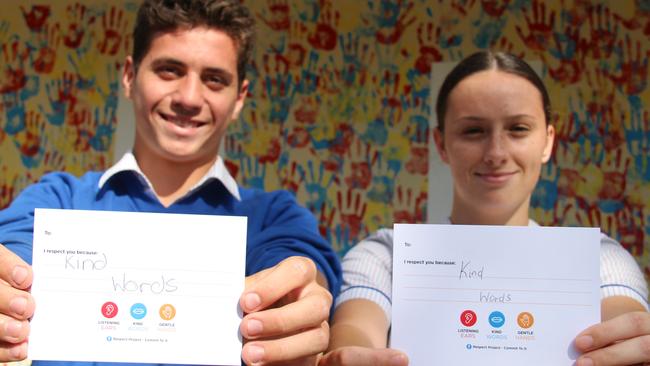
(525, 320)
(167, 312)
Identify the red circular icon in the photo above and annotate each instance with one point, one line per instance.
(109, 309)
(468, 318)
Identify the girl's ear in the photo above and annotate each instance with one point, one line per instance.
(550, 139)
(439, 139)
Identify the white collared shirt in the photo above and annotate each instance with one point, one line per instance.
(217, 171)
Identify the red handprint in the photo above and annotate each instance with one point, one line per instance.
(290, 179)
(429, 53)
(352, 211)
(279, 15)
(296, 52)
(298, 138)
(6, 194)
(14, 54)
(602, 31)
(36, 16)
(409, 207)
(78, 17)
(631, 228)
(29, 140)
(115, 26)
(392, 21)
(324, 36)
(307, 110)
(343, 139)
(418, 164)
(53, 161)
(362, 160)
(390, 94)
(325, 219)
(568, 182)
(462, 6)
(574, 14)
(82, 122)
(49, 44)
(495, 8)
(634, 68)
(540, 27)
(615, 176)
(329, 79)
(570, 51)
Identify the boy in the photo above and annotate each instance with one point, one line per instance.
(187, 84)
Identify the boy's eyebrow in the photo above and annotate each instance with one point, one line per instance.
(167, 61)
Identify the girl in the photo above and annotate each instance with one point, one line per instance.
(494, 133)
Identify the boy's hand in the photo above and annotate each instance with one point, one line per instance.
(16, 305)
(287, 312)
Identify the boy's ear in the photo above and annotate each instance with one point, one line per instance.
(128, 76)
(241, 98)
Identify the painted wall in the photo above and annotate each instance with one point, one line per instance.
(340, 102)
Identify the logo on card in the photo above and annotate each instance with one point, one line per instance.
(138, 311)
(468, 318)
(167, 312)
(496, 319)
(525, 320)
(109, 309)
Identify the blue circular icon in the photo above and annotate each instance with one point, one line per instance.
(109, 338)
(497, 319)
(469, 346)
(138, 311)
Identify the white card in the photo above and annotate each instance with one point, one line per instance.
(493, 295)
(137, 287)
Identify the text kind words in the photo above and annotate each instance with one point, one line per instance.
(467, 271)
(123, 282)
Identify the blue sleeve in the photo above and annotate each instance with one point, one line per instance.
(291, 230)
(17, 220)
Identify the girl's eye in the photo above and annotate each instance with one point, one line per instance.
(472, 131)
(519, 129)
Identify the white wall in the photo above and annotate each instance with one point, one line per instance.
(125, 131)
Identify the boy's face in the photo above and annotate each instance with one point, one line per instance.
(185, 93)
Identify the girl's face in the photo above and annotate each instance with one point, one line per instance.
(495, 141)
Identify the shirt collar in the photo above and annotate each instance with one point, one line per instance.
(217, 171)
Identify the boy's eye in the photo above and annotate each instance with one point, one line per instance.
(168, 72)
(215, 81)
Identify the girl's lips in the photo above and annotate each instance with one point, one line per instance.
(496, 177)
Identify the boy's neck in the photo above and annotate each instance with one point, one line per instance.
(172, 180)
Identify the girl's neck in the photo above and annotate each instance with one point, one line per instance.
(472, 214)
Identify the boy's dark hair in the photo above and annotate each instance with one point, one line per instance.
(487, 60)
(229, 16)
